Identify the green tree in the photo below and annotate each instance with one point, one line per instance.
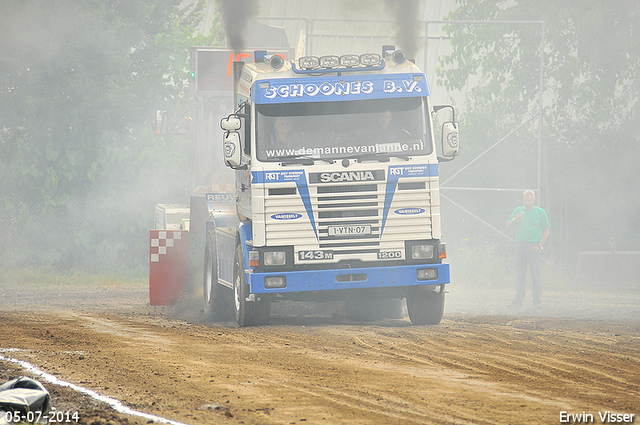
(79, 86)
(591, 89)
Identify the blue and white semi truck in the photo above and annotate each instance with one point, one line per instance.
(336, 190)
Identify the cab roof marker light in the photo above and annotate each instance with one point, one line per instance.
(330, 61)
(349, 60)
(370, 59)
(309, 62)
(333, 63)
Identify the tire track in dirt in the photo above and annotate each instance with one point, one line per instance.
(441, 378)
(360, 343)
(338, 361)
(500, 362)
(468, 370)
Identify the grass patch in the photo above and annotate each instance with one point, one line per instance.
(46, 277)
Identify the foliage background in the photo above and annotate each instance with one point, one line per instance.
(80, 168)
(591, 88)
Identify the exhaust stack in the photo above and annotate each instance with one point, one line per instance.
(237, 72)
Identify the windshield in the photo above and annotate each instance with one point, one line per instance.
(351, 129)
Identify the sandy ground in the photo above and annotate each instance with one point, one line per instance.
(481, 365)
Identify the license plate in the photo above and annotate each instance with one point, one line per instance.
(349, 230)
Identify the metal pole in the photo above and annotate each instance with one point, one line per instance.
(541, 109)
(478, 218)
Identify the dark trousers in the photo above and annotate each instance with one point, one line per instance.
(527, 256)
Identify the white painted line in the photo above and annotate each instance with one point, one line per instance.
(115, 404)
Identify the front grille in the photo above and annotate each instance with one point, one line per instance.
(347, 213)
(324, 224)
(341, 211)
(352, 207)
(347, 188)
(346, 198)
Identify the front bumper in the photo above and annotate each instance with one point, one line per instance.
(333, 279)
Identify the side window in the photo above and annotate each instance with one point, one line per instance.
(246, 134)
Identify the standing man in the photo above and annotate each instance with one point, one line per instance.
(532, 231)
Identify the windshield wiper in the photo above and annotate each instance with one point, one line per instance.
(380, 157)
(399, 155)
(301, 159)
(296, 159)
(372, 156)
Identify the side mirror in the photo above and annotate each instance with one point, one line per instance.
(450, 133)
(232, 149)
(230, 123)
(450, 143)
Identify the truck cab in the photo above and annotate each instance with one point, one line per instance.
(337, 194)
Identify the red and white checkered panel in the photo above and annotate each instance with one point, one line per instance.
(168, 265)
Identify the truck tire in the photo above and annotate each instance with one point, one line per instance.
(247, 313)
(217, 300)
(207, 285)
(426, 306)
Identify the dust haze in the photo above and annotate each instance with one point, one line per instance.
(87, 319)
(101, 219)
(120, 214)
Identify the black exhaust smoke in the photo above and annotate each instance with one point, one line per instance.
(236, 15)
(405, 16)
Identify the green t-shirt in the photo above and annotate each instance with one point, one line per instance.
(530, 228)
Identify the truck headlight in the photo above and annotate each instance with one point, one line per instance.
(271, 282)
(422, 252)
(427, 274)
(275, 258)
(370, 59)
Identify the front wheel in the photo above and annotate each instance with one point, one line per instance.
(426, 306)
(248, 312)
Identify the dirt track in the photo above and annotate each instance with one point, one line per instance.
(480, 366)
